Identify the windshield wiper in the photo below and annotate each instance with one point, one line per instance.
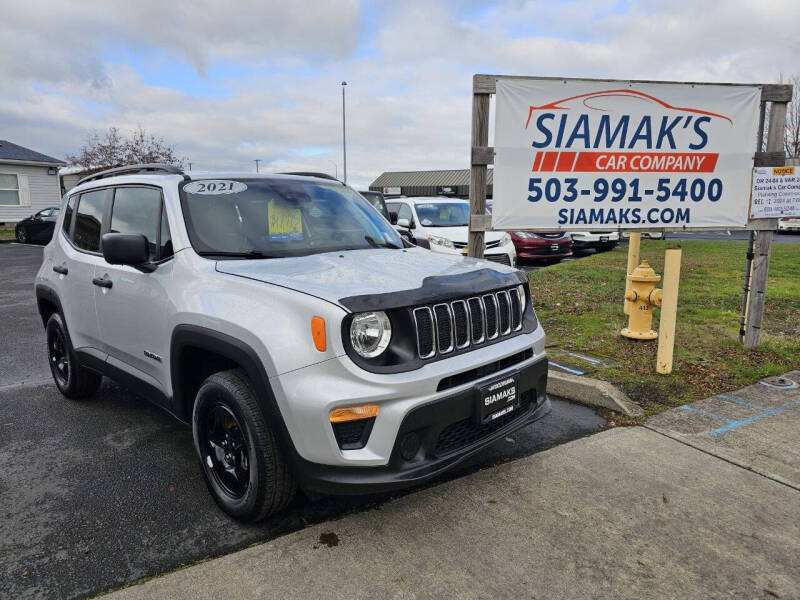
(247, 254)
(376, 243)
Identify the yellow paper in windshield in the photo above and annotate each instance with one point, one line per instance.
(285, 222)
(444, 213)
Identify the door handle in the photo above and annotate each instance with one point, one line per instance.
(102, 282)
(61, 269)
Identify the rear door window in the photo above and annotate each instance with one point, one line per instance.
(137, 210)
(89, 219)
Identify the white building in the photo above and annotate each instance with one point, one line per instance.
(29, 182)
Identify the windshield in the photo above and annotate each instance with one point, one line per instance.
(443, 214)
(271, 218)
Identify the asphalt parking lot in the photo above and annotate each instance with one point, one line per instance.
(100, 493)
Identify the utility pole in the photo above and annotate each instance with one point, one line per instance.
(257, 160)
(190, 166)
(344, 135)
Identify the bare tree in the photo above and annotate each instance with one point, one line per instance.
(793, 120)
(113, 149)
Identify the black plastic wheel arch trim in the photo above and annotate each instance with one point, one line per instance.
(195, 336)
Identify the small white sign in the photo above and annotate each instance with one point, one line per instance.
(214, 187)
(776, 192)
(391, 191)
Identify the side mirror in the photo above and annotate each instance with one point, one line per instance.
(125, 249)
(408, 224)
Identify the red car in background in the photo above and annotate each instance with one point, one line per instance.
(538, 246)
(541, 246)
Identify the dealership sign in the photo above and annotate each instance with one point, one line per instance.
(576, 154)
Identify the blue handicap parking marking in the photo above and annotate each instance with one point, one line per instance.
(731, 425)
(705, 413)
(739, 401)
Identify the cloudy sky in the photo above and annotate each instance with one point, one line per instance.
(229, 82)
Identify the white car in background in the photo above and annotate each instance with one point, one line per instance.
(646, 235)
(443, 223)
(788, 224)
(600, 241)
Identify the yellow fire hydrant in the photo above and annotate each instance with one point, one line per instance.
(643, 296)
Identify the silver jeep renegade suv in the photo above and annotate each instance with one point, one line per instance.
(288, 322)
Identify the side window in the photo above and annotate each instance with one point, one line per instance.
(89, 219)
(165, 242)
(404, 212)
(68, 214)
(137, 210)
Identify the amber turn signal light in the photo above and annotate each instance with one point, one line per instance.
(354, 413)
(318, 333)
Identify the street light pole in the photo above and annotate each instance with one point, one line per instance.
(335, 168)
(257, 160)
(344, 135)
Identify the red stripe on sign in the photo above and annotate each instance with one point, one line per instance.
(647, 162)
(549, 161)
(537, 161)
(565, 160)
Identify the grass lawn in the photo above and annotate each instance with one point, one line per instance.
(580, 306)
(6, 234)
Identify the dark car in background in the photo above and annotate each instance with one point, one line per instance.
(38, 227)
(541, 246)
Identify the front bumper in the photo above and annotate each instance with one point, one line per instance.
(505, 254)
(543, 251)
(449, 433)
(600, 240)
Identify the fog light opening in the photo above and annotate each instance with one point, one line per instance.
(409, 445)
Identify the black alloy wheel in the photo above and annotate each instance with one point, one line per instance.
(244, 467)
(22, 235)
(225, 449)
(72, 379)
(59, 356)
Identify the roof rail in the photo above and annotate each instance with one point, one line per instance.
(131, 169)
(312, 174)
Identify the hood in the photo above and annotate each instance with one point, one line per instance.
(336, 275)
(459, 234)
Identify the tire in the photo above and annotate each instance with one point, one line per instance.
(22, 235)
(243, 465)
(72, 380)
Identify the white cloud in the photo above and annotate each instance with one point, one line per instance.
(63, 71)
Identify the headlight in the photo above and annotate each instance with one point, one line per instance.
(522, 298)
(370, 333)
(506, 239)
(440, 241)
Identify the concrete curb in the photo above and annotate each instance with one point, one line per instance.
(592, 392)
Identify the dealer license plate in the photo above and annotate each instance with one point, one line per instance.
(498, 398)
